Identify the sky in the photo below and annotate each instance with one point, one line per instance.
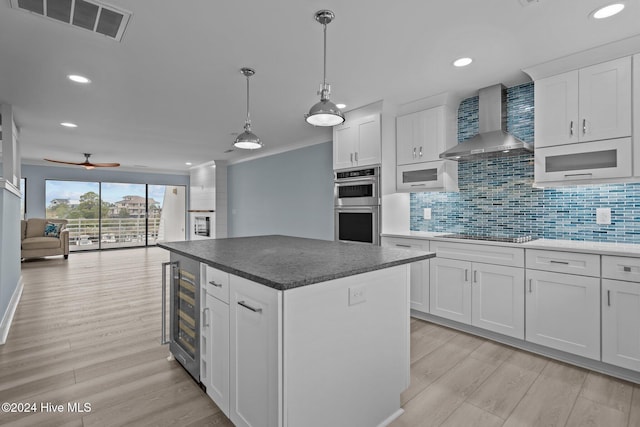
(111, 192)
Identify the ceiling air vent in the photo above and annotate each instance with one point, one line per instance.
(89, 15)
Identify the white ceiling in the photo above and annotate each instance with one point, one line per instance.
(171, 91)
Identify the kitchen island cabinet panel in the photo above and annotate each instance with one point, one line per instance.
(255, 352)
(327, 331)
(563, 312)
(214, 356)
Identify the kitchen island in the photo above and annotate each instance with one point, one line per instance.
(303, 332)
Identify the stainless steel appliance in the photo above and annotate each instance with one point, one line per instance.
(357, 205)
(184, 309)
(202, 226)
(357, 187)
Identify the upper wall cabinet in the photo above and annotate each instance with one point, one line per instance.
(589, 104)
(357, 142)
(422, 136)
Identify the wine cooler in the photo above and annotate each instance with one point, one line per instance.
(184, 336)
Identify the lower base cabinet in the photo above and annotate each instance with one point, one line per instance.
(214, 372)
(563, 312)
(483, 295)
(255, 354)
(419, 299)
(621, 323)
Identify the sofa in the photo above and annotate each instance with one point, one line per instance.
(44, 237)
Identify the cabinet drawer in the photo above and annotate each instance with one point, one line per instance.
(490, 254)
(564, 262)
(621, 268)
(407, 243)
(216, 282)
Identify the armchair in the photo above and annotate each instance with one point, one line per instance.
(36, 244)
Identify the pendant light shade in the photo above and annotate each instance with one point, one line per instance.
(325, 112)
(247, 140)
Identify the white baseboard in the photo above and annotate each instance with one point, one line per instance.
(11, 310)
(392, 418)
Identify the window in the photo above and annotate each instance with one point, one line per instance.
(115, 215)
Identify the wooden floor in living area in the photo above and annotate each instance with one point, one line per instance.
(87, 330)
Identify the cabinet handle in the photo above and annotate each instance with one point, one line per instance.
(609, 298)
(567, 175)
(584, 126)
(245, 305)
(475, 276)
(205, 319)
(421, 151)
(571, 128)
(414, 152)
(356, 156)
(530, 285)
(351, 157)
(402, 246)
(626, 269)
(466, 275)
(217, 285)
(418, 185)
(553, 261)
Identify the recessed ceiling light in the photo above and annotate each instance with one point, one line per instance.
(78, 78)
(341, 106)
(607, 11)
(188, 163)
(462, 62)
(69, 125)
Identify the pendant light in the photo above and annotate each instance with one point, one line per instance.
(247, 140)
(325, 112)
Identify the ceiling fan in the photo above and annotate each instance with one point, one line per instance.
(87, 164)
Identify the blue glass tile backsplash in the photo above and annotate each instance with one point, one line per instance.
(496, 195)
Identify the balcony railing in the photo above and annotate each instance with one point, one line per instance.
(111, 232)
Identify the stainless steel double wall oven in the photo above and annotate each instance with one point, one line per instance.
(357, 205)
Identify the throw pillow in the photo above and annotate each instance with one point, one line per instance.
(52, 229)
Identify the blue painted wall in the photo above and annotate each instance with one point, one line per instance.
(36, 176)
(496, 195)
(289, 193)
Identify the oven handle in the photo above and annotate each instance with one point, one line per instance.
(351, 181)
(356, 208)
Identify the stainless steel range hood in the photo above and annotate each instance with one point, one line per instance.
(493, 140)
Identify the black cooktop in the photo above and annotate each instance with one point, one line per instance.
(503, 239)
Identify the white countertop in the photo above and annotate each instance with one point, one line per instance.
(599, 248)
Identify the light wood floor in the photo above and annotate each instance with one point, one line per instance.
(88, 330)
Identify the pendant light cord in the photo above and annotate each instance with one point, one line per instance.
(324, 71)
(247, 123)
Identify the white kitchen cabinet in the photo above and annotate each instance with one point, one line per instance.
(214, 335)
(214, 372)
(450, 289)
(563, 312)
(587, 161)
(487, 294)
(440, 175)
(621, 311)
(419, 275)
(357, 142)
(590, 104)
(497, 296)
(422, 136)
(255, 354)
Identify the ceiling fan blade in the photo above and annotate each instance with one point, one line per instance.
(105, 165)
(66, 163)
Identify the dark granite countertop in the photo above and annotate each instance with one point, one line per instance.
(284, 262)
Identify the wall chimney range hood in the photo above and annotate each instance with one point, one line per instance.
(493, 140)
